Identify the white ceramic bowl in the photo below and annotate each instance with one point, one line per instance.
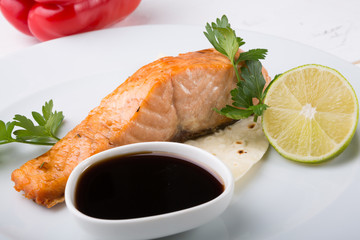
(158, 225)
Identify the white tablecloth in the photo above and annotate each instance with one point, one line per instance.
(330, 25)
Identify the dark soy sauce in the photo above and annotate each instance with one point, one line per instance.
(143, 184)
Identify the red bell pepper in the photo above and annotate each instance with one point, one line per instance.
(49, 19)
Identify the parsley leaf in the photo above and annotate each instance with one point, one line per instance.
(223, 38)
(27, 132)
(235, 113)
(251, 87)
(240, 98)
(254, 80)
(5, 132)
(252, 54)
(251, 82)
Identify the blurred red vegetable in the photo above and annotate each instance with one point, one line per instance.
(49, 19)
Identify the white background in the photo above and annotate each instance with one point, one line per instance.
(330, 25)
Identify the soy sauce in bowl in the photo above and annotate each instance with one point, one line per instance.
(148, 190)
(144, 184)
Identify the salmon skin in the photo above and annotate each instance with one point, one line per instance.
(171, 99)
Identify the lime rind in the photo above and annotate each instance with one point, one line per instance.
(340, 147)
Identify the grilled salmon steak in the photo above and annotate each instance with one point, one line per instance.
(171, 99)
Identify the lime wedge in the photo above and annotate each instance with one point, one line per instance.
(313, 113)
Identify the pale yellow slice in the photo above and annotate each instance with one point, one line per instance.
(313, 113)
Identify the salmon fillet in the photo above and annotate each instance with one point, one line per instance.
(171, 99)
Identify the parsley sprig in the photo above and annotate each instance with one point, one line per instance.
(42, 133)
(251, 82)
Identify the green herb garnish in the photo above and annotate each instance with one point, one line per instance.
(27, 132)
(251, 82)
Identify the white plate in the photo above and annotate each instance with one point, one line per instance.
(277, 199)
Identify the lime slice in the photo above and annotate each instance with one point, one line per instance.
(313, 113)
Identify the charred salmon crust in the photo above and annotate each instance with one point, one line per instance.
(170, 99)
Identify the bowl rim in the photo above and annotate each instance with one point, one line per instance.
(226, 178)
